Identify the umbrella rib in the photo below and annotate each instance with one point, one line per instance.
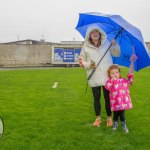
(128, 38)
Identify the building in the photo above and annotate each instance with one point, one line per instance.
(39, 53)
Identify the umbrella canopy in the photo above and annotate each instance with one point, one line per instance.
(127, 35)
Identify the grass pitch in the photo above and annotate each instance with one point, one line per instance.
(39, 117)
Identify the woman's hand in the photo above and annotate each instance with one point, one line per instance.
(115, 48)
(81, 62)
(113, 41)
(92, 65)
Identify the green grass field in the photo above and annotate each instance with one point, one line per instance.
(38, 117)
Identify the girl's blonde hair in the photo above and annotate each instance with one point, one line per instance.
(114, 67)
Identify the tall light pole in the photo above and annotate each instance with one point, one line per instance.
(18, 37)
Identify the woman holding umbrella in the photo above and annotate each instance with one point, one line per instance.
(93, 49)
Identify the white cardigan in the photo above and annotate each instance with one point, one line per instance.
(90, 53)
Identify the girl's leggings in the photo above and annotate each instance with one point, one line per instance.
(118, 114)
(97, 96)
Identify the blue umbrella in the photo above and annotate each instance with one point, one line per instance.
(127, 35)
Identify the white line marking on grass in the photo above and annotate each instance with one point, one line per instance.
(55, 85)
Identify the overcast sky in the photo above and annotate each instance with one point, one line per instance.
(55, 20)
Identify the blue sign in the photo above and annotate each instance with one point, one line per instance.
(58, 55)
(68, 55)
(77, 54)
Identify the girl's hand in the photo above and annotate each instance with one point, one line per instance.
(114, 77)
(113, 81)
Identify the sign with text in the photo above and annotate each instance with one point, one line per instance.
(58, 55)
(62, 55)
(68, 55)
(76, 54)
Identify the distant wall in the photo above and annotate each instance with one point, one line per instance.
(148, 45)
(16, 55)
(24, 55)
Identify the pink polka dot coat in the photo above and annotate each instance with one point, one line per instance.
(119, 93)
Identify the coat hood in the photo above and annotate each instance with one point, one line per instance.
(93, 27)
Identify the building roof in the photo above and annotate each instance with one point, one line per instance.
(29, 42)
(71, 42)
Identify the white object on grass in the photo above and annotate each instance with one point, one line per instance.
(55, 85)
(1, 128)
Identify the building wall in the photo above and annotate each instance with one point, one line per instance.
(148, 45)
(16, 55)
(24, 55)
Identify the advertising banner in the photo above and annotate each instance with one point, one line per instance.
(62, 55)
(58, 55)
(76, 54)
(68, 55)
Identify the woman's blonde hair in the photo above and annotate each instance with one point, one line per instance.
(99, 40)
(113, 67)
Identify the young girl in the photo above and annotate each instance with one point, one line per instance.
(119, 95)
